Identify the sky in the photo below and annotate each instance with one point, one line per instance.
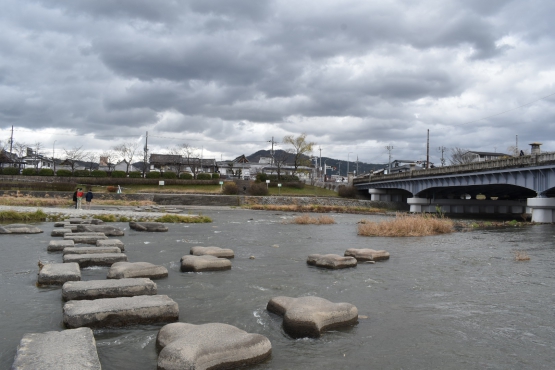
(355, 76)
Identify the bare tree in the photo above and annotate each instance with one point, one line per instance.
(513, 150)
(176, 160)
(91, 158)
(110, 157)
(301, 148)
(458, 156)
(72, 156)
(37, 147)
(280, 159)
(20, 148)
(127, 152)
(191, 157)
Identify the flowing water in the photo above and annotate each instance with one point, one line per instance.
(457, 301)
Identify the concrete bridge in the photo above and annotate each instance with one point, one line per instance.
(513, 185)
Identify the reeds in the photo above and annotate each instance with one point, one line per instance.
(316, 208)
(308, 220)
(407, 225)
(36, 216)
(521, 256)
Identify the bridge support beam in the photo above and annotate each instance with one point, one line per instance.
(418, 205)
(385, 195)
(543, 209)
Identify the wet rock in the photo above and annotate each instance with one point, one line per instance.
(148, 226)
(91, 221)
(73, 349)
(97, 289)
(204, 263)
(85, 238)
(60, 224)
(366, 254)
(91, 250)
(212, 251)
(96, 259)
(122, 270)
(331, 261)
(110, 243)
(59, 245)
(123, 311)
(60, 232)
(59, 273)
(19, 229)
(310, 316)
(105, 229)
(209, 346)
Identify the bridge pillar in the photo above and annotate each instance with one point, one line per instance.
(418, 204)
(543, 209)
(379, 194)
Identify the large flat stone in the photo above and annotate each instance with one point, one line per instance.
(73, 349)
(91, 221)
(95, 259)
(122, 270)
(85, 238)
(124, 311)
(204, 263)
(209, 346)
(60, 232)
(59, 273)
(212, 251)
(91, 250)
(107, 230)
(310, 316)
(59, 245)
(61, 224)
(111, 243)
(19, 229)
(96, 289)
(331, 261)
(148, 226)
(366, 254)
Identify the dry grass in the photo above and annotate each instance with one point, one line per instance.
(64, 202)
(316, 208)
(521, 256)
(407, 225)
(308, 220)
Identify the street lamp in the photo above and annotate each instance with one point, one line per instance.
(348, 164)
(325, 172)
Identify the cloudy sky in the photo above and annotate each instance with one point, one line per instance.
(227, 76)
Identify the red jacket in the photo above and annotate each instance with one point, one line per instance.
(79, 194)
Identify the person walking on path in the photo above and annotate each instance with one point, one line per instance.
(88, 199)
(75, 199)
(79, 198)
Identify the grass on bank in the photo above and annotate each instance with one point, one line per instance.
(65, 202)
(316, 208)
(308, 220)
(407, 225)
(308, 190)
(36, 216)
(164, 189)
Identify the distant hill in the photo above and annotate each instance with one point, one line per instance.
(330, 162)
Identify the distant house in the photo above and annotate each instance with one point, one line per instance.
(179, 164)
(8, 159)
(36, 160)
(239, 167)
(472, 156)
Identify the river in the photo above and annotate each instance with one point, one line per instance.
(457, 301)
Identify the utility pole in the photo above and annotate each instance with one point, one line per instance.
(442, 149)
(11, 141)
(428, 151)
(357, 165)
(272, 151)
(53, 159)
(145, 155)
(516, 147)
(389, 149)
(319, 148)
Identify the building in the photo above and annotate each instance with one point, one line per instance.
(472, 156)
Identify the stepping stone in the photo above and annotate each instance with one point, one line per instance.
(105, 229)
(96, 289)
(60, 224)
(204, 263)
(91, 250)
(212, 251)
(73, 349)
(59, 245)
(331, 261)
(19, 229)
(310, 316)
(123, 311)
(148, 226)
(110, 243)
(59, 273)
(92, 221)
(366, 254)
(209, 346)
(60, 232)
(96, 259)
(122, 270)
(85, 238)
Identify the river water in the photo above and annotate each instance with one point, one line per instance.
(457, 301)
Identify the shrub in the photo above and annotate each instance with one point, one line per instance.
(112, 189)
(230, 188)
(204, 176)
(81, 173)
(347, 191)
(261, 177)
(118, 174)
(99, 173)
(258, 188)
(64, 173)
(135, 174)
(521, 256)
(169, 175)
(153, 175)
(294, 184)
(407, 225)
(29, 172)
(10, 171)
(307, 220)
(215, 176)
(46, 172)
(185, 176)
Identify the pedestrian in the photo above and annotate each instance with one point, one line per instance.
(75, 199)
(119, 190)
(79, 198)
(88, 199)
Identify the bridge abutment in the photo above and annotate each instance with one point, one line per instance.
(543, 209)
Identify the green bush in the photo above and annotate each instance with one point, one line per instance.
(204, 176)
(135, 174)
(294, 184)
(119, 174)
(29, 172)
(258, 188)
(215, 176)
(230, 188)
(153, 175)
(10, 171)
(185, 176)
(64, 173)
(99, 173)
(81, 173)
(347, 191)
(261, 177)
(169, 175)
(46, 172)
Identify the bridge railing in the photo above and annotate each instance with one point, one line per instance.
(509, 162)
